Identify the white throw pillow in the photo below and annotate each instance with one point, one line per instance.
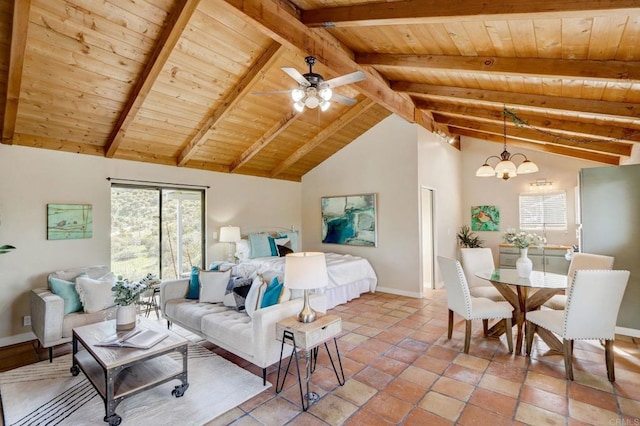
(254, 297)
(96, 294)
(213, 285)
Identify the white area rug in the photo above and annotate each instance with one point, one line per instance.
(47, 394)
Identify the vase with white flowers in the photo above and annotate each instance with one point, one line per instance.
(523, 240)
(126, 294)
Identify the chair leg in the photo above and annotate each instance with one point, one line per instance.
(485, 327)
(467, 336)
(508, 331)
(608, 355)
(50, 353)
(529, 330)
(450, 329)
(566, 345)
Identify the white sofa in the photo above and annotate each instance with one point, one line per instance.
(48, 321)
(253, 339)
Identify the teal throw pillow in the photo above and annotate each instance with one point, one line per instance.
(66, 290)
(194, 284)
(272, 246)
(272, 293)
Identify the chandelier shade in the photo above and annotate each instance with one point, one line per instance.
(506, 168)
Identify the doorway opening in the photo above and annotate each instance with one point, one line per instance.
(427, 238)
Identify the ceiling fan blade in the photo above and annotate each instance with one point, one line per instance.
(346, 79)
(295, 74)
(343, 99)
(271, 92)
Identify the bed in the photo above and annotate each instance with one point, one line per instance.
(349, 276)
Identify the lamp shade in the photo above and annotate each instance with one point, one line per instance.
(229, 234)
(305, 270)
(485, 171)
(527, 166)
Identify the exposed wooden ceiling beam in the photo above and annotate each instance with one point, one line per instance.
(176, 24)
(277, 22)
(576, 128)
(351, 114)
(616, 148)
(233, 97)
(269, 136)
(543, 102)
(551, 149)
(409, 12)
(534, 67)
(19, 27)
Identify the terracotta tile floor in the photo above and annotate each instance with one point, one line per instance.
(400, 368)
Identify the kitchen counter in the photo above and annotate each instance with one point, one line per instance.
(546, 258)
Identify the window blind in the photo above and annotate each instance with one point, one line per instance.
(543, 211)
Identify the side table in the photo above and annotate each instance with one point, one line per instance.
(308, 337)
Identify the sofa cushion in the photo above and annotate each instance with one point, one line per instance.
(96, 294)
(190, 312)
(231, 327)
(66, 290)
(78, 319)
(213, 285)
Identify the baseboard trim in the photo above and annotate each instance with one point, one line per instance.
(398, 292)
(18, 338)
(631, 332)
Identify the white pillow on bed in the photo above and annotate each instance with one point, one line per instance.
(243, 249)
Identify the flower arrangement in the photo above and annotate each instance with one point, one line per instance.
(522, 239)
(126, 292)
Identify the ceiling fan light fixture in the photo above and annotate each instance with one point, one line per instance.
(298, 106)
(297, 95)
(312, 102)
(324, 105)
(326, 93)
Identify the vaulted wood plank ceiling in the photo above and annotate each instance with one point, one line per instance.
(172, 81)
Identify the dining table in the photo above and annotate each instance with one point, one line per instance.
(525, 294)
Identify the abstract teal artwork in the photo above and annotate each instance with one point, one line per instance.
(349, 219)
(69, 221)
(485, 218)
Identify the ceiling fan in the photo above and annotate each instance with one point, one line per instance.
(314, 91)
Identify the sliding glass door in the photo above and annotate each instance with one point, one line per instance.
(156, 230)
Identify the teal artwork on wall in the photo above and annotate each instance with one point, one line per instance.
(349, 219)
(485, 218)
(69, 221)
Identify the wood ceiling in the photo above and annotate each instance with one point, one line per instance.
(171, 81)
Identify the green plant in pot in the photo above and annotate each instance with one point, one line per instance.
(468, 238)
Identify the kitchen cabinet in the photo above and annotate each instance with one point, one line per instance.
(547, 259)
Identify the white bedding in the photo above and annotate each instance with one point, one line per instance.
(342, 269)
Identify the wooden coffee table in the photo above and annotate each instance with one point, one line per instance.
(118, 373)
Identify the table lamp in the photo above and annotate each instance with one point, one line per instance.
(305, 271)
(230, 234)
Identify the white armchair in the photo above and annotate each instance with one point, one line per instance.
(591, 313)
(579, 261)
(459, 300)
(48, 321)
(476, 260)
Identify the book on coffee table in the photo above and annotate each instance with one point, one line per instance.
(137, 338)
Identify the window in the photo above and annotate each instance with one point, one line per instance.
(156, 230)
(546, 211)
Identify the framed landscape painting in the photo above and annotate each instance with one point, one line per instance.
(69, 221)
(485, 218)
(349, 219)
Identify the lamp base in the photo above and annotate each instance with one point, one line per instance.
(307, 314)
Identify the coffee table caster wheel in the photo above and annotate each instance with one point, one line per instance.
(180, 390)
(74, 370)
(114, 420)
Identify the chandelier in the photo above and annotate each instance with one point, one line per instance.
(312, 97)
(506, 168)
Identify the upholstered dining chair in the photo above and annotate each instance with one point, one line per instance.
(592, 309)
(476, 260)
(460, 301)
(579, 261)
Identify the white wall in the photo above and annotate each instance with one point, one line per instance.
(562, 171)
(386, 160)
(32, 178)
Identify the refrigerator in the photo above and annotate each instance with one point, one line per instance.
(609, 208)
